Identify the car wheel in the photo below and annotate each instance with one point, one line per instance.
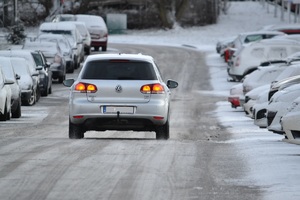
(3, 116)
(75, 131)
(162, 132)
(61, 78)
(31, 100)
(104, 48)
(71, 70)
(8, 115)
(38, 94)
(45, 93)
(96, 48)
(17, 113)
(50, 90)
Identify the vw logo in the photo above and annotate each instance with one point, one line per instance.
(118, 88)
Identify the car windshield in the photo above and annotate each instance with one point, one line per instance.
(119, 70)
(38, 59)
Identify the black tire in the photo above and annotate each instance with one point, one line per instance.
(38, 94)
(3, 117)
(104, 48)
(163, 132)
(71, 70)
(45, 93)
(61, 78)
(96, 48)
(75, 131)
(32, 100)
(17, 113)
(50, 90)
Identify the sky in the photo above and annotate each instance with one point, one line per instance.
(272, 163)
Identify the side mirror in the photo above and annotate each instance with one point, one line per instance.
(68, 82)
(18, 77)
(9, 81)
(172, 84)
(35, 74)
(39, 68)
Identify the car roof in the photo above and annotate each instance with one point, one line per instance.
(135, 57)
(65, 25)
(262, 32)
(277, 41)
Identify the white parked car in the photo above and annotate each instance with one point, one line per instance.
(9, 72)
(251, 98)
(26, 81)
(290, 122)
(278, 107)
(65, 46)
(72, 34)
(249, 57)
(97, 29)
(85, 34)
(262, 76)
(5, 97)
(260, 110)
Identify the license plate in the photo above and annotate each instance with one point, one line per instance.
(116, 109)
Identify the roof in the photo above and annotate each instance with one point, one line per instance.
(65, 26)
(136, 57)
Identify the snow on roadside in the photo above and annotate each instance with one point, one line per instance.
(273, 164)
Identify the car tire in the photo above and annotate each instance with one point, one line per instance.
(17, 113)
(45, 93)
(31, 101)
(96, 48)
(75, 131)
(61, 78)
(162, 132)
(50, 90)
(3, 117)
(104, 48)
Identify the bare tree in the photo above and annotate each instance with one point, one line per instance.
(170, 11)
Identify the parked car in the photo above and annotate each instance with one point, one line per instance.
(64, 17)
(260, 110)
(72, 34)
(26, 81)
(53, 55)
(236, 95)
(278, 105)
(289, 29)
(39, 79)
(85, 34)
(251, 98)
(65, 46)
(262, 76)
(290, 122)
(248, 58)
(119, 92)
(97, 29)
(9, 72)
(246, 38)
(5, 97)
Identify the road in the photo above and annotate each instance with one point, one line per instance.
(38, 161)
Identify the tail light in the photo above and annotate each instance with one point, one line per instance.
(85, 88)
(152, 89)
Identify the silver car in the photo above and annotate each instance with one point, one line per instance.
(119, 92)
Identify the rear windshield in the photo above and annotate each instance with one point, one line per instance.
(119, 70)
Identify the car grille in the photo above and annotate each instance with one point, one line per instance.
(270, 117)
(261, 114)
(271, 93)
(296, 134)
